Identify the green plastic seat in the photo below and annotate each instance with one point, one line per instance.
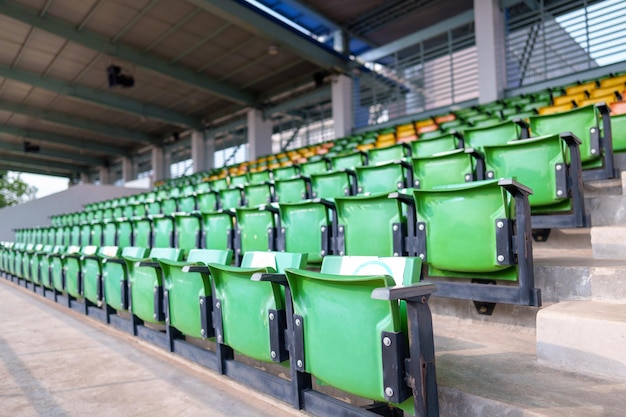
(428, 147)
(207, 201)
(592, 125)
(618, 128)
(541, 164)
(169, 205)
(314, 167)
(332, 184)
(154, 207)
(446, 168)
(36, 263)
(163, 230)
(142, 232)
(388, 154)
(256, 229)
(217, 229)
(384, 177)
(44, 264)
(230, 198)
(145, 282)
(85, 234)
(188, 300)
(91, 267)
(259, 177)
(57, 267)
(257, 194)
(72, 264)
(494, 215)
(75, 235)
(27, 261)
(97, 233)
(497, 134)
(349, 161)
(349, 287)
(188, 231)
(357, 234)
(115, 277)
(186, 203)
(244, 308)
(291, 190)
(284, 173)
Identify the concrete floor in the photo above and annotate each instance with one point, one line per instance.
(54, 362)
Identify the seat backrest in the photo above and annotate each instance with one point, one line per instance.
(349, 161)
(582, 122)
(358, 231)
(142, 232)
(169, 205)
(135, 252)
(537, 163)
(388, 154)
(188, 229)
(284, 173)
(109, 234)
(279, 261)
(163, 231)
(259, 177)
(329, 345)
(314, 167)
(255, 230)
(331, 184)
(186, 203)
(207, 201)
(459, 225)
(385, 177)
(618, 128)
(170, 254)
(216, 230)
(444, 168)
(257, 194)
(230, 198)
(496, 134)
(291, 190)
(428, 147)
(207, 256)
(109, 252)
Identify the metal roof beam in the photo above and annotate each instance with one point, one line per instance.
(50, 153)
(100, 98)
(419, 36)
(42, 164)
(268, 27)
(98, 43)
(312, 97)
(63, 119)
(80, 144)
(41, 170)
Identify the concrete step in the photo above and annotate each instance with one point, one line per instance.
(606, 210)
(609, 242)
(605, 187)
(562, 276)
(491, 370)
(584, 336)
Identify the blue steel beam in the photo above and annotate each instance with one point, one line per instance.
(15, 148)
(98, 43)
(100, 98)
(80, 144)
(262, 24)
(91, 126)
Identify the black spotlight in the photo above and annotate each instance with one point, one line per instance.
(29, 147)
(118, 78)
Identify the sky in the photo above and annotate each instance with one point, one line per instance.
(45, 184)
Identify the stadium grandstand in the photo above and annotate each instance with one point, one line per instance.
(309, 207)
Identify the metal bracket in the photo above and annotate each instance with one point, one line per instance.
(398, 231)
(326, 240)
(394, 351)
(206, 319)
(560, 171)
(482, 307)
(125, 292)
(541, 235)
(100, 288)
(217, 321)
(278, 325)
(594, 144)
(340, 241)
(271, 233)
(504, 249)
(420, 240)
(298, 335)
(159, 314)
(281, 244)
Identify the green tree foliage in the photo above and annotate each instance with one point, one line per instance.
(13, 190)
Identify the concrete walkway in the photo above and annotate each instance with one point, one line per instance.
(54, 362)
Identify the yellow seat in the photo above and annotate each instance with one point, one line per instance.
(580, 88)
(555, 109)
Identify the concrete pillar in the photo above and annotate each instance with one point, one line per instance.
(209, 152)
(198, 151)
(128, 169)
(158, 164)
(259, 135)
(341, 94)
(85, 178)
(489, 24)
(104, 175)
